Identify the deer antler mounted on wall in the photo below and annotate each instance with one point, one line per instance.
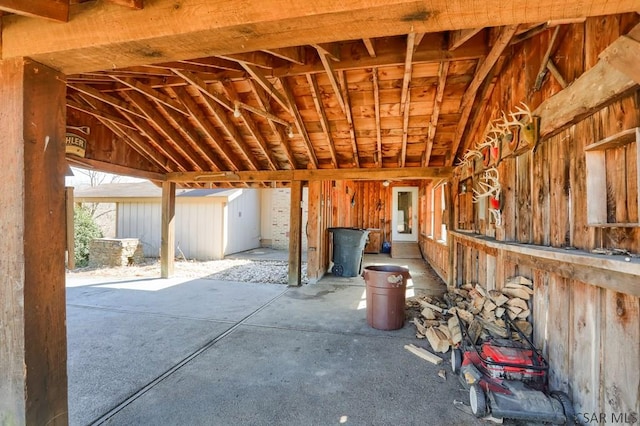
(489, 187)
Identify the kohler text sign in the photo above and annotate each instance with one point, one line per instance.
(75, 145)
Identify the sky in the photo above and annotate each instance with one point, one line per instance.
(82, 177)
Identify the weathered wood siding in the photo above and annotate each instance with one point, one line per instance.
(587, 327)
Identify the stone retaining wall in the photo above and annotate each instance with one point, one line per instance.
(115, 252)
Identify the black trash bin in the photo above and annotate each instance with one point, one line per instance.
(348, 248)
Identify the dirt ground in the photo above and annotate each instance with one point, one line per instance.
(242, 270)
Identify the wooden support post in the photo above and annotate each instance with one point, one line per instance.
(450, 221)
(33, 348)
(71, 250)
(167, 244)
(314, 236)
(295, 234)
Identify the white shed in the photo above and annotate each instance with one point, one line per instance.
(210, 223)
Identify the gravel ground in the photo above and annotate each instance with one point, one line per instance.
(242, 270)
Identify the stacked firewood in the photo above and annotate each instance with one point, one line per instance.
(482, 312)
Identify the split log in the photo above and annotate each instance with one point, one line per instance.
(424, 354)
(454, 329)
(516, 292)
(519, 280)
(427, 313)
(481, 290)
(474, 331)
(438, 340)
(465, 315)
(421, 328)
(494, 329)
(513, 312)
(524, 314)
(516, 301)
(429, 305)
(520, 287)
(497, 297)
(525, 327)
(489, 306)
(499, 312)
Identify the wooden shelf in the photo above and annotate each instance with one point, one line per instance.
(615, 225)
(615, 141)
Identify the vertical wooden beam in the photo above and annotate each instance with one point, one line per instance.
(167, 244)
(450, 221)
(71, 258)
(376, 104)
(314, 236)
(33, 352)
(295, 234)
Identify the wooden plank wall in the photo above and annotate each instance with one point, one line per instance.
(590, 334)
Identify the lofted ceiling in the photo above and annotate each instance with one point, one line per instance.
(394, 101)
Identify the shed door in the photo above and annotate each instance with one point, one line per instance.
(404, 219)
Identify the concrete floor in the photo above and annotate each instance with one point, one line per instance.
(205, 352)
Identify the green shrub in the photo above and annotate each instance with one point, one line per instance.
(85, 229)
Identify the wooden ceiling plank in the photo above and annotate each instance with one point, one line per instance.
(299, 123)
(324, 123)
(253, 129)
(267, 85)
(194, 80)
(107, 99)
(368, 44)
(376, 100)
(328, 67)
(459, 37)
(501, 43)
(408, 66)
(278, 131)
(131, 4)
(53, 10)
(230, 129)
(98, 113)
(347, 103)
(207, 127)
(153, 94)
(167, 130)
(291, 54)
(366, 174)
(443, 71)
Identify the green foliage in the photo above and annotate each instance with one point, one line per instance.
(85, 229)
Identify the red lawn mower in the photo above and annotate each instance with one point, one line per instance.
(509, 379)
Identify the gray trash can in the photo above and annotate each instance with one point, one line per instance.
(348, 248)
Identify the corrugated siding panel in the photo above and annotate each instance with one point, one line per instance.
(243, 222)
(142, 221)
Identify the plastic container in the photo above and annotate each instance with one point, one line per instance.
(386, 287)
(348, 248)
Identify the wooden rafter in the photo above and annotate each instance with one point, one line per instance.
(230, 129)
(542, 72)
(405, 132)
(153, 94)
(483, 69)
(315, 174)
(302, 131)
(253, 129)
(260, 59)
(443, 71)
(278, 131)
(324, 123)
(98, 113)
(291, 54)
(207, 127)
(555, 72)
(459, 37)
(408, 67)
(107, 99)
(212, 62)
(267, 85)
(167, 130)
(376, 105)
(368, 43)
(352, 132)
(194, 80)
(54, 10)
(326, 60)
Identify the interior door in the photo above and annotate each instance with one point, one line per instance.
(404, 217)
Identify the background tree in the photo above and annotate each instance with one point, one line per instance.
(85, 229)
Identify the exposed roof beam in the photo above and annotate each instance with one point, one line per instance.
(302, 131)
(253, 129)
(317, 174)
(347, 104)
(207, 127)
(115, 168)
(54, 10)
(324, 123)
(167, 130)
(459, 37)
(98, 113)
(501, 43)
(267, 85)
(278, 131)
(437, 103)
(199, 84)
(483, 69)
(230, 129)
(542, 72)
(291, 54)
(376, 105)
(405, 131)
(213, 62)
(326, 60)
(260, 59)
(199, 29)
(413, 40)
(153, 94)
(368, 43)
(107, 99)
(331, 50)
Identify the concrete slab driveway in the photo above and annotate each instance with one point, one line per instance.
(205, 352)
